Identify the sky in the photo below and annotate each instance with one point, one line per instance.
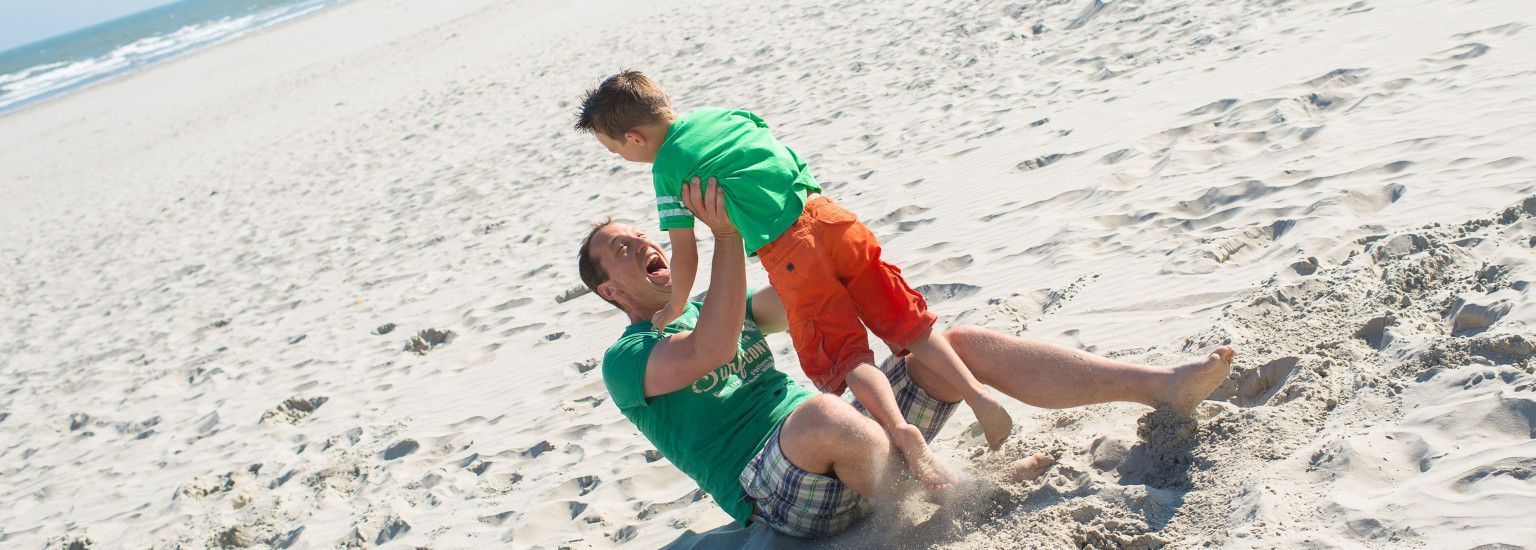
(27, 21)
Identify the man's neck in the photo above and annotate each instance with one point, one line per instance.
(642, 313)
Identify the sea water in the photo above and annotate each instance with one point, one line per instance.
(47, 68)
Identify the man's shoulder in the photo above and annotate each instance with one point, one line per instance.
(638, 340)
(624, 366)
(633, 344)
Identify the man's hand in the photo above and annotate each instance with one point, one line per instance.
(666, 315)
(708, 206)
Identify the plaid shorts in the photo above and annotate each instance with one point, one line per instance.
(804, 504)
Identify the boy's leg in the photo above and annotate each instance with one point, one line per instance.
(934, 351)
(830, 340)
(873, 390)
(823, 321)
(896, 313)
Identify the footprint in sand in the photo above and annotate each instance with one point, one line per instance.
(474, 464)
(940, 292)
(1460, 53)
(1256, 387)
(1232, 248)
(400, 449)
(538, 449)
(428, 339)
(899, 215)
(1375, 331)
(291, 411)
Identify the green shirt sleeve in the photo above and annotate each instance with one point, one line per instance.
(669, 204)
(624, 368)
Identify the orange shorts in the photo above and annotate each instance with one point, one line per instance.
(826, 269)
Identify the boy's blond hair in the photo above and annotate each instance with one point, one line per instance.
(621, 103)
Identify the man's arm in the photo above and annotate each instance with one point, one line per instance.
(768, 311)
(681, 358)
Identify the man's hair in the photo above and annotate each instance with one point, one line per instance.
(592, 272)
(621, 103)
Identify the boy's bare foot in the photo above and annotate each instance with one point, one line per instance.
(1192, 382)
(920, 461)
(1030, 467)
(995, 422)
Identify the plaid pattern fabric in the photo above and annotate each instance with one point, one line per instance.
(804, 504)
(917, 407)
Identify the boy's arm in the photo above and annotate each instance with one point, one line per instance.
(684, 267)
(681, 358)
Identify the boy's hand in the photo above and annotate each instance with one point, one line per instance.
(666, 315)
(708, 206)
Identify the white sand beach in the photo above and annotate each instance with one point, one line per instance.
(301, 289)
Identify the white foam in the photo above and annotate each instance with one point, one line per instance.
(39, 81)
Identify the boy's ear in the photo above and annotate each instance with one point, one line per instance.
(634, 136)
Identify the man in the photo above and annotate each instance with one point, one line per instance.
(705, 393)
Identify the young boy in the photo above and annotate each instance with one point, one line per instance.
(823, 262)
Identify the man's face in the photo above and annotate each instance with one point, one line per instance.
(630, 146)
(639, 275)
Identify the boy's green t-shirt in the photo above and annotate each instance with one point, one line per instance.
(712, 428)
(765, 183)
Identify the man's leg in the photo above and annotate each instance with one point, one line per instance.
(825, 435)
(1052, 376)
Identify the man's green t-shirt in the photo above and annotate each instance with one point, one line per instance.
(712, 428)
(765, 183)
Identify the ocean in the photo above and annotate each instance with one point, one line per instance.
(44, 69)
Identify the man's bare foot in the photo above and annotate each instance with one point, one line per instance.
(1030, 467)
(925, 467)
(995, 422)
(1192, 382)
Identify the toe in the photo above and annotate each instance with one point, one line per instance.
(1032, 466)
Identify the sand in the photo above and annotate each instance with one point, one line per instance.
(300, 289)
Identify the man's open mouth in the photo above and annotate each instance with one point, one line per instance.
(656, 269)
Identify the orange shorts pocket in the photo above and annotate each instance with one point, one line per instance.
(824, 320)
